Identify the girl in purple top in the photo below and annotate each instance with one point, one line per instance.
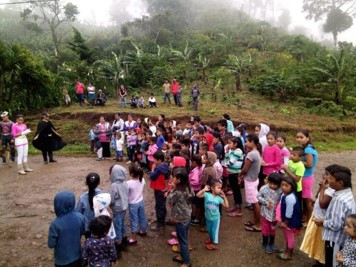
(19, 131)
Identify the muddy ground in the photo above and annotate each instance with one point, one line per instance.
(26, 210)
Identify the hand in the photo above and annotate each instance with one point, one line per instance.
(319, 222)
(270, 206)
(281, 225)
(340, 257)
(206, 188)
(240, 178)
(154, 166)
(222, 194)
(284, 167)
(264, 164)
(166, 194)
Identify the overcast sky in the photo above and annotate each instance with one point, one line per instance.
(98, 11)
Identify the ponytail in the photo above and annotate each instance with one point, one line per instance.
(92, 180)
(136, 171)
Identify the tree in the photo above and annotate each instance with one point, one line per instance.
(203, 63)
(52, 14)
(237, 66)
(78, 46)
(338, 14)
(183, 56)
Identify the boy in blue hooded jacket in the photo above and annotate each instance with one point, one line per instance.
(66, 230)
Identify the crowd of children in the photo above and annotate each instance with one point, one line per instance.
(191, 169)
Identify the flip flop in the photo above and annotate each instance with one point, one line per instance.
(282, 256)
(177, 259)
(172, 242)
(252, 229)
(132, 241)
(176, 248)
(249, 223)
(234, 214)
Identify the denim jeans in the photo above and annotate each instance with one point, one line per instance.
(138, 220)
(167, 96)
(119, 224)
(182, 234)
(123, 101)
(160, 207)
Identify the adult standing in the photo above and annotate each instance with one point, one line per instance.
(6, 136)
(118, 124)
(79, 90)
(167, 92)
(195, 96)
(175, 88)
(230, 126)
(19, 132)
(47, 139)
(91, 94)
(103, 130)
(122, 92)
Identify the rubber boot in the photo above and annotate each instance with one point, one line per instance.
(266, 246)
(124, 243)
(27, 169)
(21, 170)
(264, 241)
(271, 243)
(118, 248)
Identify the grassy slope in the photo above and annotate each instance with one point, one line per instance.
(328, 133)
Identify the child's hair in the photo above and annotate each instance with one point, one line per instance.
(306, 133)
(200, 130)
(100, 225)
(258, 126)
(159, 155)
(273, 133)
(343, 174)
(237, 141)
(153, 139)
(204, 147)
(186, 142)
(136, 171)
(254, 139)
(214, 182)
(181, 174)
(352, 217)
(275, 178)
(176, 146)
(223, 123)
(185, 153)
(196, 158)
(291, 182)
(331, 167)
(19, 116)
(299, 150)
(282, 136)
(159, 130)
(118, 134)
(92, 181)
(226, 116)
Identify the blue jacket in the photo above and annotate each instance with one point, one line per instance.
(83, 207)
(66, 230)
(160, 141)
(290, 211)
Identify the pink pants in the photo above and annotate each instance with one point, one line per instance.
(267, 227)
(289, 237)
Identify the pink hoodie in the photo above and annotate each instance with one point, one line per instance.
(151, 150)
(272, 156)
(195, 178)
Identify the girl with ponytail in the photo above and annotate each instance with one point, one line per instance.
(85, 203)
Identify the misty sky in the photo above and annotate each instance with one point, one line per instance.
(98, 11)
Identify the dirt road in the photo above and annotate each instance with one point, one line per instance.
(26, 210)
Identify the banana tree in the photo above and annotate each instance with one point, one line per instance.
(183, 56)
(237, 66)
(202, 64)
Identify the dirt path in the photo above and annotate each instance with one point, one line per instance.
(26, 210)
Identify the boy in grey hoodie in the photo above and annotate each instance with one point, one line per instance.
(119, 193)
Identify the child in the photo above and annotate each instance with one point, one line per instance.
(233, 161)
(250, 173)
(85, 203)
(312, 243)
(296, 169)
(152, 101)
(101, 203)
(66, 230)
(98, 148)
(309, 160)
(133, 102)
(166, 151)
(99, 249)
(271, 156)
(218, 146)
(152, 148)
(92, 138)
(340, 207)
(131, 146)
(269, 197)
(180, 199)
(119, 146)
(119, 193)
(285, 154)
(212, 214)
(290, 216)
(160, 138)
(195, 182)
(67, 99)
(138, 220)
(347, 256)
(195, 97)
(19, 131)
(261, 130)
(141, 102)
(158, 175)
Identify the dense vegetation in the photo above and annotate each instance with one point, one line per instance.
(220, 48)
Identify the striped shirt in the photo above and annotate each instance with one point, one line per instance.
(341, 206)
(234, 160)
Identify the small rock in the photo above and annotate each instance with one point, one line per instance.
(39, 236)
(34, 243)
(44, 217)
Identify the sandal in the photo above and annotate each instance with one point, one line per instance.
(248, 223)
(252, 229)
(234, 214)
(230, 209)
(283, 256)
(132, 241)
(176, 248)
(172, 242)
(177, 259)
(211, 247)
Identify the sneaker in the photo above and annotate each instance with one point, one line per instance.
(195, 222)
(268, 249)
(99, 159)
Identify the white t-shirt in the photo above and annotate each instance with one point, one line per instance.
(319, 212)
(135, 190)
(119, 144)
(91, 89)
(152, 99)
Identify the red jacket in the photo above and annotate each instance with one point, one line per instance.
(175, 87)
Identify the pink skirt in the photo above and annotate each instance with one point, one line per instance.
(307, 185)
(251, 191)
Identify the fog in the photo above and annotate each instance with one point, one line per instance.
(107, 12)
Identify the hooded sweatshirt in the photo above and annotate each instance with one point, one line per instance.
(216, 164)
(263, 135)
(119, 191)
(66, 230)
(158, 175)
(209, 138)
(209, 172)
